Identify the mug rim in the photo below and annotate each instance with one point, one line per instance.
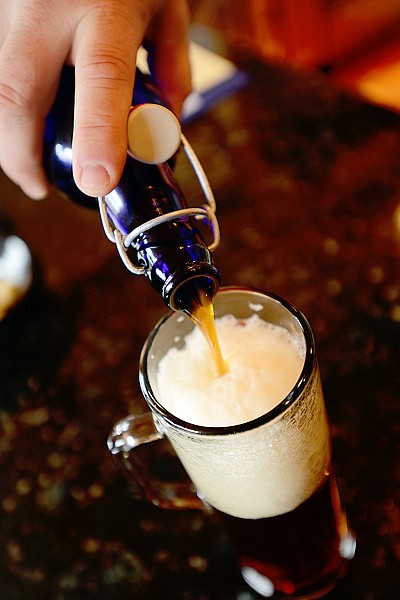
(309, 364)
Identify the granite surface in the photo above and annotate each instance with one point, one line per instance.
(307, 181)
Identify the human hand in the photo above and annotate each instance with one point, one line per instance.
(101, 38)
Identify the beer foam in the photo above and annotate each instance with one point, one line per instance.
(263, 471)
(264, 363)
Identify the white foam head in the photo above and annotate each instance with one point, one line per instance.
(264, 363)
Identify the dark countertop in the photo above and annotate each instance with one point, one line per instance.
(307, 182)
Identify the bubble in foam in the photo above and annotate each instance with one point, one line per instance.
(255, 306)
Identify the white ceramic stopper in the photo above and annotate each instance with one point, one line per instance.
(154, 133)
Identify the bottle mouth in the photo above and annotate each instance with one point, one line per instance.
(185, 288)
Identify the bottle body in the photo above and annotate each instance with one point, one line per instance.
(173, 255)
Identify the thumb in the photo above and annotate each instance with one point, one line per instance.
(104, 53)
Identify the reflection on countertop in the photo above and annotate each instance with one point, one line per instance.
(307, 182)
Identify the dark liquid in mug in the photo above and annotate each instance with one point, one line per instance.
(300, 552)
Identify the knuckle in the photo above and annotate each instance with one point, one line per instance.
(94, 130)
(12, 100)
(105, 65)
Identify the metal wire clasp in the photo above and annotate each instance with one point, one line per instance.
(205, 213)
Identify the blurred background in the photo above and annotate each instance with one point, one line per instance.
(356, 42)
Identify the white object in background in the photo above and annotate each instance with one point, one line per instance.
(15, 272)
(214, 77)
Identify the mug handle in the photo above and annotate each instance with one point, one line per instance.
(155, 473)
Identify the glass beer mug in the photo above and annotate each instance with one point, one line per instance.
(270, 479)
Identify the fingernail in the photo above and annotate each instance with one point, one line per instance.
(94, 177)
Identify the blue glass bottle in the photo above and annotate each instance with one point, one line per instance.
(173, 255)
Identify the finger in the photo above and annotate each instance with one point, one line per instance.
(104, 53)
(168, 46)
(27, 87)
(21, 155)
(25, 95)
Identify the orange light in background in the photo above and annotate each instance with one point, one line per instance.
(357, 42)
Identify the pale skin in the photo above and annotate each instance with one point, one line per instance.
(100, 38)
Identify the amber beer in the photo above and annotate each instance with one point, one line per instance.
(310, 546)
(254, 439)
